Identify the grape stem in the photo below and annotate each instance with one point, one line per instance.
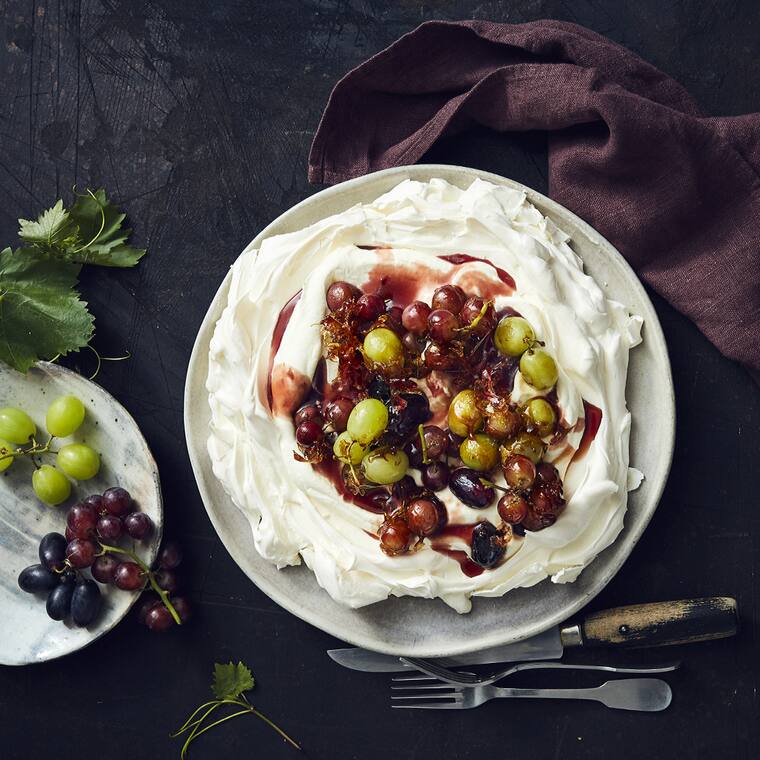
(34, 449)
(149, 575)
(491, 484)
(423, 446)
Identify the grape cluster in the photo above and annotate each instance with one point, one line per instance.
(75, 460)
(371, 417)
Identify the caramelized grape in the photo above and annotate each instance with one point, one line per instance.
(503, 423)
(435, 476)
(538, 369)
(407, 411)
(455, 441)
(347, 450)
(468, 487)
(527, 445)
(395, 537)
(308, 412)
(519, 472)
(382, 346)
(448, 297)
(338, 411)
(541, 413)
(340, 293)
(436, 441)
(547, 473)
(476, 315)
(535, 522)
(394, 318)
(415, 317)
(385, 467)
(464, 416)
(480, 452)
(443, 325)
(488, 544)
(425, 516)
(513, 508)
(513, 336)
(413, 344)
(437, 357)
(368, 420)
(308, 433)
(370, 307)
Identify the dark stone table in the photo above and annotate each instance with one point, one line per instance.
(198, 116)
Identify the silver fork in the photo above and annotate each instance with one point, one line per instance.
(643, 694)
(458, 678)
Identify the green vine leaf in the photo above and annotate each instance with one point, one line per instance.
(53, 227)
(230, 680)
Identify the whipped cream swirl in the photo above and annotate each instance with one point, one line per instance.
(295, 513)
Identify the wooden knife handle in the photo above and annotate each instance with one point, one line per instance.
(662, 623)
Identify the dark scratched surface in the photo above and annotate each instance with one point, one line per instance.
(197, 117)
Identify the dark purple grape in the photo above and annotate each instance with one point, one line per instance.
(82, 520)
(370, 307)
(167, 579)
(85, 602)
(138, 526)
(183, 607)
(406, 412)
(58, 603)
(96, 502)
(415, 317)
(170, 555)
(404, 489)
(128, 576)
(53, 551)
(438, 357)
(338, 411)
(467, 486)
(37, 578)
(455, 441)
(308, 412)
(109, 527)
(425, 516)
(379, 389)
(394, 318)
(414, 345)
(487, 546)
(117, 501)
(81, 553)
(435, 476)
(443, 325)
(340, 293)
(436, 441)
(104, 567)
(448, 297)
(147, 603)
(308, 433)
(159, 619)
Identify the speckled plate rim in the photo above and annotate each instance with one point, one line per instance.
(605, 565)
(155, 541)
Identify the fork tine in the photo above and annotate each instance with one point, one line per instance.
(444, 706)
(450, 686)
(417, 676)
(456, 696)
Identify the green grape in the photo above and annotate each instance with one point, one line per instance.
(513, 336)
(347, 450)
(479, 452)
(78, 461)
(368, 420)
(539, 369)
(64, 416)
(541, 414)
(464, 415)
(16, 425)
(527, 445)
(385, 467)
(383, 347)
(50, 485)
(5, 461)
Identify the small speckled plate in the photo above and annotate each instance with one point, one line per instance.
(29, 635)
(422, 627)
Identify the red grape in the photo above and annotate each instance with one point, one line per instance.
(513, 508)
(128, 576)
(519, 472)
(167, 579)
(395, 537)
(437, 357)
(69, 534)
(95, 501)
(415, 317)
(340, 293)
(394, 318)
(370, 307)
(436, 441)
(170, 555)
(337, 412)
(413, 344)
(308, 412)
(472, 309)
(182, 605)
(117, 501)
(159, 619)
(425, 516)
(138, 525)
(308, 433)
(81, 553)
(82, 520)
(442, 325)
(109, 527)
(448, 297)
(147, 603)
(104, 567)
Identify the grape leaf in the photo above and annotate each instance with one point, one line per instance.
(41, 314)
(102, 239)
(231, 680)
(53, 227)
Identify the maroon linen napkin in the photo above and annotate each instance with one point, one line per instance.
(630, 151)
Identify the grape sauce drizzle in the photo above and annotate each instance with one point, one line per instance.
(593, 420)
(464, 258)
(279, 329)
(469, 568)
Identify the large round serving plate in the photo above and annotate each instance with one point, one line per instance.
(429, 628)
(29, 635)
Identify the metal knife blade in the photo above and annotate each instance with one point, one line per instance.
(544, 646)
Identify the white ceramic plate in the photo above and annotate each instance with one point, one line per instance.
(428, 628)
(29, 635)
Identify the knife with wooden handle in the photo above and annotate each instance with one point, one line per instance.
(639, 625)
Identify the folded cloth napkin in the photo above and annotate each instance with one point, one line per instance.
(630, 151)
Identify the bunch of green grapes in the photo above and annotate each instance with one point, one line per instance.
(77, 460)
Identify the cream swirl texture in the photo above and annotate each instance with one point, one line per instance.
(295, 512)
